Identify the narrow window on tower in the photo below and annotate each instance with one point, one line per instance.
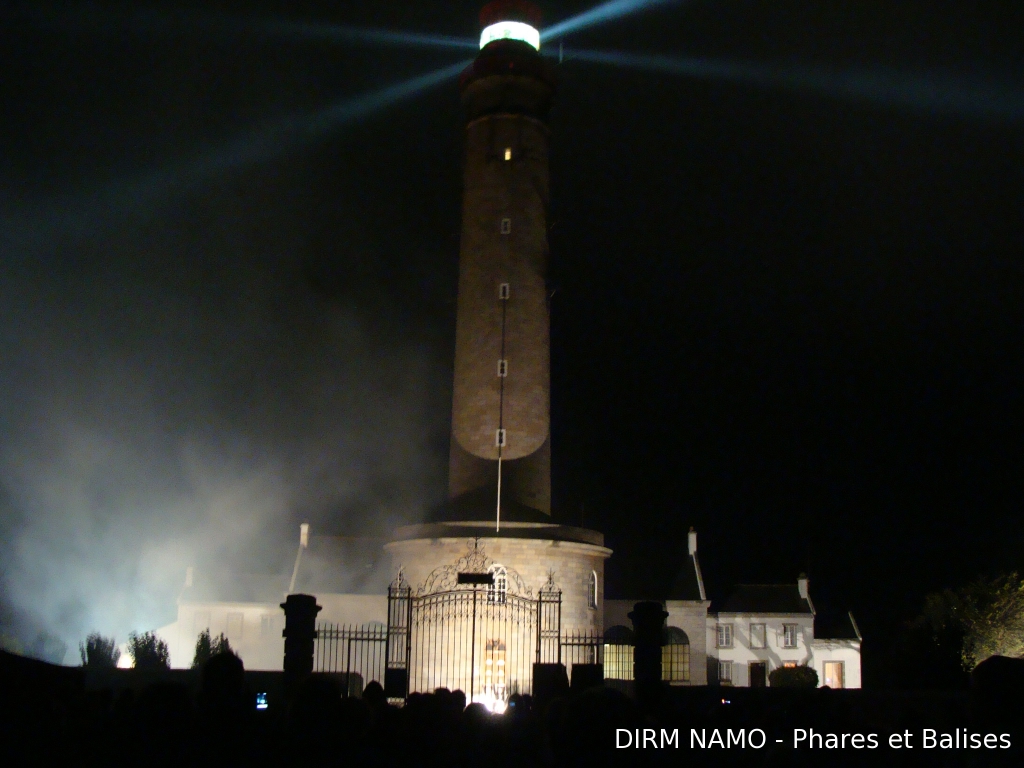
(508, 153)
(503, 368)
(506, 226)
(503, 291)
(499, 438)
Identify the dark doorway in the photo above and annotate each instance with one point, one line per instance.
(758, 674)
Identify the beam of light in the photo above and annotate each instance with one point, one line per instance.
(930, 92)
(85, 20)
(607, 11)
(335, 33)
(68, 221)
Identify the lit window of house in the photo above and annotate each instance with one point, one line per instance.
(725, 635)
(758, 636)
(235, 627)
(789, 635)
(834, 674)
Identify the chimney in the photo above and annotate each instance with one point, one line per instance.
(692, 542)
(304, 535)
(801, 584)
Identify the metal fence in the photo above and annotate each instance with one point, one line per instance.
(355, 653)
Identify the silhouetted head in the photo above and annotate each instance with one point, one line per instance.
(374, 696)
(317, 703)
(223, 683)
(460, 699)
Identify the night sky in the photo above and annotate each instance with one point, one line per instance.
(787, 317)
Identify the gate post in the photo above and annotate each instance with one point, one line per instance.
(648, 620)
(299, 633)
(397, 645)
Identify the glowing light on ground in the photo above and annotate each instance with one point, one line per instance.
(930, 92)
(608, 11)
(493, 703)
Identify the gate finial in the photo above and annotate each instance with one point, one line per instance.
(399, 581)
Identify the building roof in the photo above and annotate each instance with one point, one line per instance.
(836, 626)
(481, 505)
(329, 565)
(765, 598)
(687, 583)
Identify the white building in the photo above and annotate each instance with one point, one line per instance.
(756, 629)
(348, 576)
(761, 627)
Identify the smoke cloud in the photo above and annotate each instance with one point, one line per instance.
(186, 395)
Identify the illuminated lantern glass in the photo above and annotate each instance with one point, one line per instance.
(510, 30)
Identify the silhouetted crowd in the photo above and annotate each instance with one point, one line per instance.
(49, 722)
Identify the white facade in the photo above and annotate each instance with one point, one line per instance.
(254, 629)
(738, 640)
(743, 645)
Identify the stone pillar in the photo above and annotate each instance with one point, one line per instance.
(299, 633)
(648, 620)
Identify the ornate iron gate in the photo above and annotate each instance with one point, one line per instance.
(483, 640)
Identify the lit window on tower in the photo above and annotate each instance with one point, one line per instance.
(498, 591)
(506, 226)
(508, 153)
(499, 438)
(503, 291)
(503, 368)
(592, 590)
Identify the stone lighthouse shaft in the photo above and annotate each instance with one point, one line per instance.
(501, 399)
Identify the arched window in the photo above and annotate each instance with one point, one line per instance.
(592, 590)
(675, 656)
(618, 653)
(498, 591)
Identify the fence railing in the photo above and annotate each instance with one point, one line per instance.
(356, 653)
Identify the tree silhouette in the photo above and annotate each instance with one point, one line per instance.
(99, 652)
(148, 651)
(986, 617)
(207, 648)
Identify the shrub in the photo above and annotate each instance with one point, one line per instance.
(99, 652)
(206, 648)
(793, 677)
(148, 651)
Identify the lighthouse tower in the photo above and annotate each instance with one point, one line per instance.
(501, 401)
(497, 523)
